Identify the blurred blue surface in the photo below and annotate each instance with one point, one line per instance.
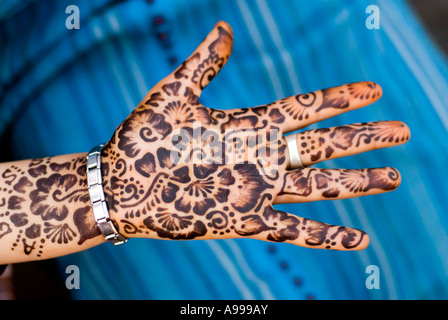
(54, 81)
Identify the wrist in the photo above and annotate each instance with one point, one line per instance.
(95, 183)
(118, 185)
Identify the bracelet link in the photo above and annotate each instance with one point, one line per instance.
(97, 199)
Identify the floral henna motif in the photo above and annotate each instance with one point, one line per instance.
(59, 233)
(251, 187)
(175, 226)
(284, 226)
(48, 190)
(362, 90)
(142, 126)
(298, 110)
(45, 218)
(179, 113)
(204, 192)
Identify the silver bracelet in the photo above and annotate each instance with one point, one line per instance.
(99, 205)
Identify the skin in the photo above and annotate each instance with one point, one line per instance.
(177, 170)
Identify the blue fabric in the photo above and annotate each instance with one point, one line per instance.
(54, 81)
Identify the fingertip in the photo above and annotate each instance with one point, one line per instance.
(355, 240)
(406, 131)
(376, 91)
(365, 241)
(364, 92)
(224, 25)
(391, 133)
(378, 88)
(392, 179)
(207, 59)
(394, 176)
(225, 36)
(397, 175)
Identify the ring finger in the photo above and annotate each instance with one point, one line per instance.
(317, 145)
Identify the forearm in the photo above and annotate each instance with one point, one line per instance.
(45, 209)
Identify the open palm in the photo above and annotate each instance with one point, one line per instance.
(175, 169)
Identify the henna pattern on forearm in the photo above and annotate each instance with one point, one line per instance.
(39, 205)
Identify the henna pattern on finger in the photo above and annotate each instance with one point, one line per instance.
(278, 226)
(209, 67)
(299, 109)
(364, 90)
(321, 144)
(312, 183)
(303, 107)
(333, 98)
(318, 234)
(340, 97)
(284, 226)
(187, 66)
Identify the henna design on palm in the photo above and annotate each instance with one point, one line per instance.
(175, 169)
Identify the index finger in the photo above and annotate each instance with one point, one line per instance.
(304, 109)
(298, 111)
(207, 60)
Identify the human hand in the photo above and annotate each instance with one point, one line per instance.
(175, 169)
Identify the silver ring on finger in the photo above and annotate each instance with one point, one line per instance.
(294, 158)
